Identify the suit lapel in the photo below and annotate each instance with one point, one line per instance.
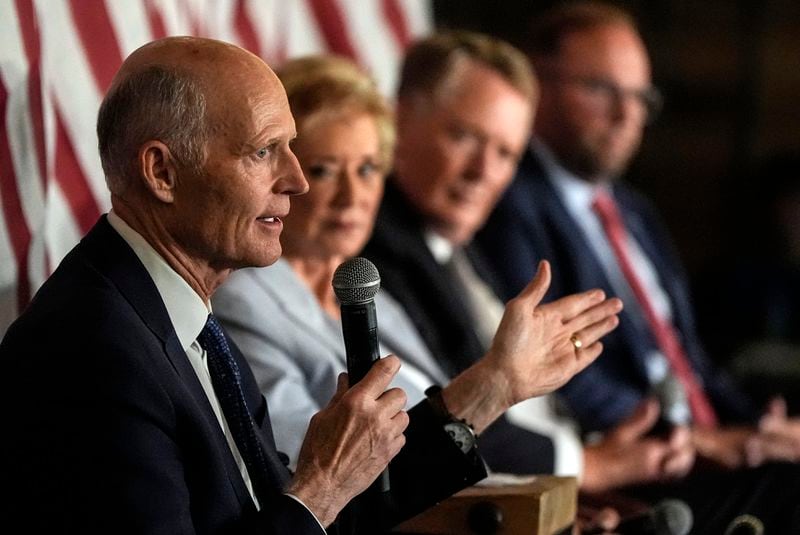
(573, 246)
(297, 302)
(401, 234)
(112, 257)
(571, 240)
(398, 339)
(117, 261)
(482, 269)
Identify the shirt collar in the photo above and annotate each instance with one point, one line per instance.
(440, 247)
(186, 309)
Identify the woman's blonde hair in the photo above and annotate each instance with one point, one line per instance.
(332, 86)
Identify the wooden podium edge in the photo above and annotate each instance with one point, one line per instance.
(545, 506)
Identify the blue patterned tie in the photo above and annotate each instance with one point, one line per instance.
(227, 381)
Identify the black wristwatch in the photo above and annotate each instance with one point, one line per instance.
(459, 430)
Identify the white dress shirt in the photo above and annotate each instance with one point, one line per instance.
(188, 313)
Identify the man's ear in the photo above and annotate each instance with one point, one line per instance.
(158, 170)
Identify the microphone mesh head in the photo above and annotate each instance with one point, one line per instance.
(674, 403)
(673, 517)
(745, 525)
(356, 281)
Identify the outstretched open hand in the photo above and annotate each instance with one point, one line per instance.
(539, 347)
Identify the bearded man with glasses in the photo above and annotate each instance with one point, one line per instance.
(568, 206)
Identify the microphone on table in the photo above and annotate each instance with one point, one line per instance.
(745, 525)
(667, 517)
(355, 283)
(674, 404)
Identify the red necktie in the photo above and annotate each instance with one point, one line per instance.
(702, 411)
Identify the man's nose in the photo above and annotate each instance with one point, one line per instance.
(292, 180)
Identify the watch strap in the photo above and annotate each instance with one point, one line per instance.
(434, 395)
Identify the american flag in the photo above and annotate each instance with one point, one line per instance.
(57, 58)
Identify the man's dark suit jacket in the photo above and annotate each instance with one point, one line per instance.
(108, 430)
(426, 290)
(531, 223)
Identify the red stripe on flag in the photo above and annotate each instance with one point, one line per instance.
(30, 38)
(397, 22)
(30, 34)
(27, 22)
(97, 34)
(157, 26)
(73, 182)
(331, 22)
(244, 28)
(35, 104)
(17, 229)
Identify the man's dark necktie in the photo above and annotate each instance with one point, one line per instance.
(227, 381)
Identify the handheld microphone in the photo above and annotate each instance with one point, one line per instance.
(667, 517)
(355, 283)
(674, 406)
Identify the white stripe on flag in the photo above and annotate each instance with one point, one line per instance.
(74, 89)
(302, 35)
(419, 16)
(19, 125)
(61, 231)
(177, 19)
(130, 22)
(371, 35)
(220, 21)
(269, 19)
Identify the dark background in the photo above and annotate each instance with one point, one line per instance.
(730, 72)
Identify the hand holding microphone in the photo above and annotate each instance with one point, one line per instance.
(355, 283)
(350, 442)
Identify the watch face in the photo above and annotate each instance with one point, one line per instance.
(462, 435)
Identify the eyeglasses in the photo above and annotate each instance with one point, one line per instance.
(604, 92)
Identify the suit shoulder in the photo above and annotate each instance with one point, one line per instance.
(76, 322)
